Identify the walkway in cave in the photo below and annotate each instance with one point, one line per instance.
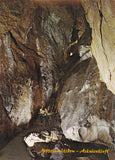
(17, 150)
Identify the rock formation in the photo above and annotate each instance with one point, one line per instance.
(101, 17)
(58, 56)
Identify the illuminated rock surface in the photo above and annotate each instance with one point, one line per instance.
(58, 56)
(101, 17)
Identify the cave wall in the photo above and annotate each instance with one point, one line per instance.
(85, 105)
(101, 17)
(44, 49)
(33, 38)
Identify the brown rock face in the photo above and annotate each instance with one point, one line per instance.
(44, 62)
(33, 42)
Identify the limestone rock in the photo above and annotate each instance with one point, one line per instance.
(46, 62)
(33, 40)
(84, 114)
(101, 17)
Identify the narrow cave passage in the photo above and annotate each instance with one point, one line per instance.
(51, 95)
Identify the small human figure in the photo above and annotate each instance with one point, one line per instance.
(46, 114)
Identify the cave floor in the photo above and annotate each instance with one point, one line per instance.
(17, 150)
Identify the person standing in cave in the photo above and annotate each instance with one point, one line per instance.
(45, 117)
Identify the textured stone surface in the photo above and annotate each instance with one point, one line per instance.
(44, 63)
(33, 42)
(84, 104)
(101, 17)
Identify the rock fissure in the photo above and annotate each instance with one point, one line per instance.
(101, 23)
